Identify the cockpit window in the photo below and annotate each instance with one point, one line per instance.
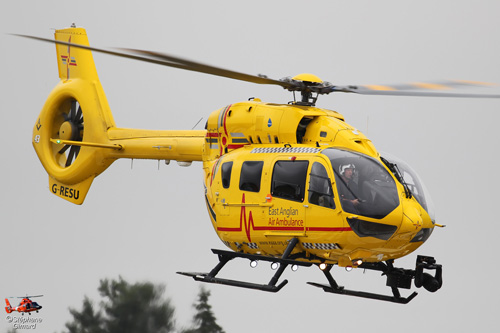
(365, 187)
(289, 180)
(320, 187)
(251, 173)
(414, 183)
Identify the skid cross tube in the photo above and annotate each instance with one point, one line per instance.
(226, 256)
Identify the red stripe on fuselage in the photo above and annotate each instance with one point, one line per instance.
(328, 229)
(250, 225)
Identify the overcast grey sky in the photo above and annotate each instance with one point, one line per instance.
(146, 224)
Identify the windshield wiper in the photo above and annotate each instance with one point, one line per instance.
(395, 171)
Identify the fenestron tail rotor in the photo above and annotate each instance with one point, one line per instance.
(70, 130)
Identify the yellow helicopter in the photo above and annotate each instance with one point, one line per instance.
(290, 184)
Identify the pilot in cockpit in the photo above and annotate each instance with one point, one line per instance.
(348, 188)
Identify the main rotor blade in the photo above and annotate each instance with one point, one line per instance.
(407, 90)
(439, 85)
(171, 61)
(208, 69)
(181, 63)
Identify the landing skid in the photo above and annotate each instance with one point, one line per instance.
(334, 288)
(340, 290)
(396, 277)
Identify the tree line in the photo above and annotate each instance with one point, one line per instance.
(139, 307)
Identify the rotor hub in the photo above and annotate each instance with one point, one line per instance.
(69, 131)
(307, 77)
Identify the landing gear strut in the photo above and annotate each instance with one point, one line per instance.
(226, 256)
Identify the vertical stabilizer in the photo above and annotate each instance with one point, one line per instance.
(74, 62)
(8, 308)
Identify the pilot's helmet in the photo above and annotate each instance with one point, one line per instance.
(343, 168)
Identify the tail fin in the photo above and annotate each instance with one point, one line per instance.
(75, 136)
(8, 308)
(74, 62)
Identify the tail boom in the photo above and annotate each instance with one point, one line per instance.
(182, 146)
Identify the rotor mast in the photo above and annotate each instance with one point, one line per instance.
(307, 84)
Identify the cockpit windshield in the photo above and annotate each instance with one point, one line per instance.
(414, 183)
(365, 187)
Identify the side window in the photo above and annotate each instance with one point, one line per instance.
(289, 180)
(251, 173)
(226, 174)
(320, 187)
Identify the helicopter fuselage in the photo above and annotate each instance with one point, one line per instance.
(272, 173)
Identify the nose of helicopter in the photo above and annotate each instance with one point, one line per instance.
(412, 219)
(411, 225)
(414, 223)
